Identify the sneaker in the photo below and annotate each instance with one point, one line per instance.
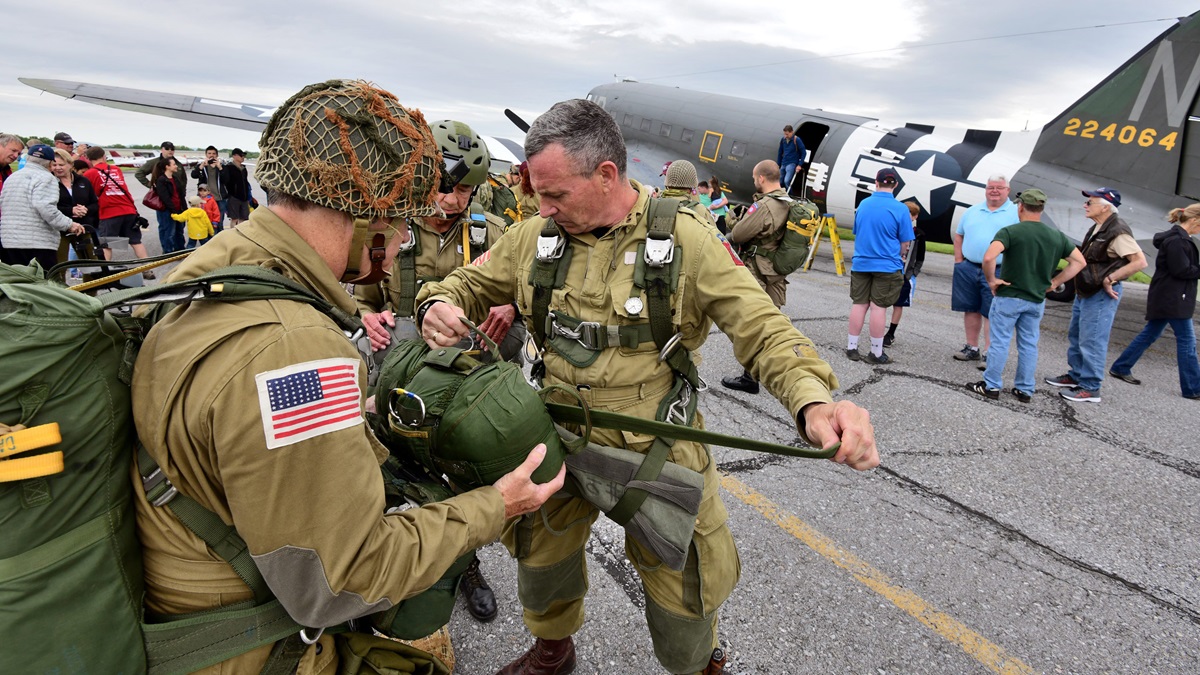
(1062, 381)
(967, 353)
(853, 355)
(888, 340)
(1080, 395)
(882, 360)
(983, 390)
(1128, 377)
(1022, 396)
(982, 362)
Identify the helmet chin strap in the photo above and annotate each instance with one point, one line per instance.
(377, 254)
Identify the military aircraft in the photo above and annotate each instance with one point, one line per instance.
(1137, 131)
(1132, 132)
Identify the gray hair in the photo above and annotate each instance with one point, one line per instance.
(588, 134)
(8, 139)
(998, 178)
(44, 163)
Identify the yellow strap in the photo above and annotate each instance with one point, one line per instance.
(31, 467)
(466, 243)
(16, 442)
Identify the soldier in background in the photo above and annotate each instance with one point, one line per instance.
(680, 183)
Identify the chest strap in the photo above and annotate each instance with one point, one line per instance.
(595, 336)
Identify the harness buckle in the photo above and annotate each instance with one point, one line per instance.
(550, 248)
(587, 333)
(478, 234)
(310, 640)
(412, 241)
(660, 252)
(156, 478)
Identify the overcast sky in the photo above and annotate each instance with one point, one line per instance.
(470, 60)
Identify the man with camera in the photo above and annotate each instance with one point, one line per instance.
(209, 173)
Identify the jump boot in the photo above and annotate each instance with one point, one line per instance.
(716, 666)
(743, 382)
(481, 601)
(545, 657)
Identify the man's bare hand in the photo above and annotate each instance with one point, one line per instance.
(995, 284)
(522, 495)
(377, 325)
(499, 320)
(441, 327)
(828, 423)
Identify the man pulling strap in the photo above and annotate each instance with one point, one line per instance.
(627, 288)
(254, 409)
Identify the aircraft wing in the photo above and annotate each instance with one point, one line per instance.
(248, 116)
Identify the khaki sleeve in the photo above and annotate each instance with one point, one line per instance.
(478, 288)
(1124, 246)
(764, 340)
(753, 224)
(369, 298)
(311, 510)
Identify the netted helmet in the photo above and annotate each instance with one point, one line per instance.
(681, 175)
(456, 138)
(350, 146)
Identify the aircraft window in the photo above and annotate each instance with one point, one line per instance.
(710, 146)
(590, 97)
(645, 124)
(687, 136)
(664, 130)
(738, 149)
(628, 121)
(600, 101)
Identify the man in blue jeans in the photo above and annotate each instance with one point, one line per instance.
(791, 156)
(1032, 251)
(1112, 255)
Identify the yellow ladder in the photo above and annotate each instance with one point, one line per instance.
(828, 224)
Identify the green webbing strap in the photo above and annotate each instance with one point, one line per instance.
(610, 420)
(285, 656)
(221, 538)
(648, 471)
(406, 268)
(232, 284)
(602, 337)
(545, 276)
(189, 644)
(659, 280)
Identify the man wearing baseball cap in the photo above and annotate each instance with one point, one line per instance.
(882, 232)
(63, 141)
(1031, 252)
(1112, 255)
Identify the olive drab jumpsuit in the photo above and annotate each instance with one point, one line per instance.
(713, 286)
(689, 201)
(435, 255)
(760, 227)
(311, 508)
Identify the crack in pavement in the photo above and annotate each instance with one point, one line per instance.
(611, 556)
(1014, 534)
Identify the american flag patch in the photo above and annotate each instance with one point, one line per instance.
(308, 399)
(729, 247)
(483, 257)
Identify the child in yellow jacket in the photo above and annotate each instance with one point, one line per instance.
(199, 227)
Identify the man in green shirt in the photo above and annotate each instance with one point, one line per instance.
(1031, 251)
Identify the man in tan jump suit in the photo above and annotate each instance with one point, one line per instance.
(577, 165)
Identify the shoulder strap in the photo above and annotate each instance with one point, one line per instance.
(406, 267)
(552, 260)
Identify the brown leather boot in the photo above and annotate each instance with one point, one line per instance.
(717, 665)
(545, 657)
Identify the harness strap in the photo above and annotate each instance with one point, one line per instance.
(595, 336)
(549, 272)
(406, 267)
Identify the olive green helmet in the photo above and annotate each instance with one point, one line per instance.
(350, 146)
(456, 138)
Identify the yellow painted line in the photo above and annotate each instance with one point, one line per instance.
(992, 656)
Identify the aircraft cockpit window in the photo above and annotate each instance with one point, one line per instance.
(687, 135)
(710, 146)
(738, 149)
(664, 130)
(645, 124)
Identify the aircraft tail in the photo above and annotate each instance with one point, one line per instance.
(1140, 126)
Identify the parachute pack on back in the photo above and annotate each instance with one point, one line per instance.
(803, 220)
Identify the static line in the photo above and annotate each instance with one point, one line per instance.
(992, 656)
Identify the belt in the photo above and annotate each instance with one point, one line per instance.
(596, 336)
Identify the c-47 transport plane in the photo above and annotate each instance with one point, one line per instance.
(1137, 131)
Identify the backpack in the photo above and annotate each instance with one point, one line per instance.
(70, 561)
(803, 220)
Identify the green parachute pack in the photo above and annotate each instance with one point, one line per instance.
(803, 220)
(70, 562)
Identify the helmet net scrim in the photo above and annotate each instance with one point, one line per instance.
(350, 146)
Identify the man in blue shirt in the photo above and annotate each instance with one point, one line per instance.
(882, 232)
(791, 156)
(972, 238)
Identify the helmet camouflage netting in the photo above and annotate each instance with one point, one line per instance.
(350, 146)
